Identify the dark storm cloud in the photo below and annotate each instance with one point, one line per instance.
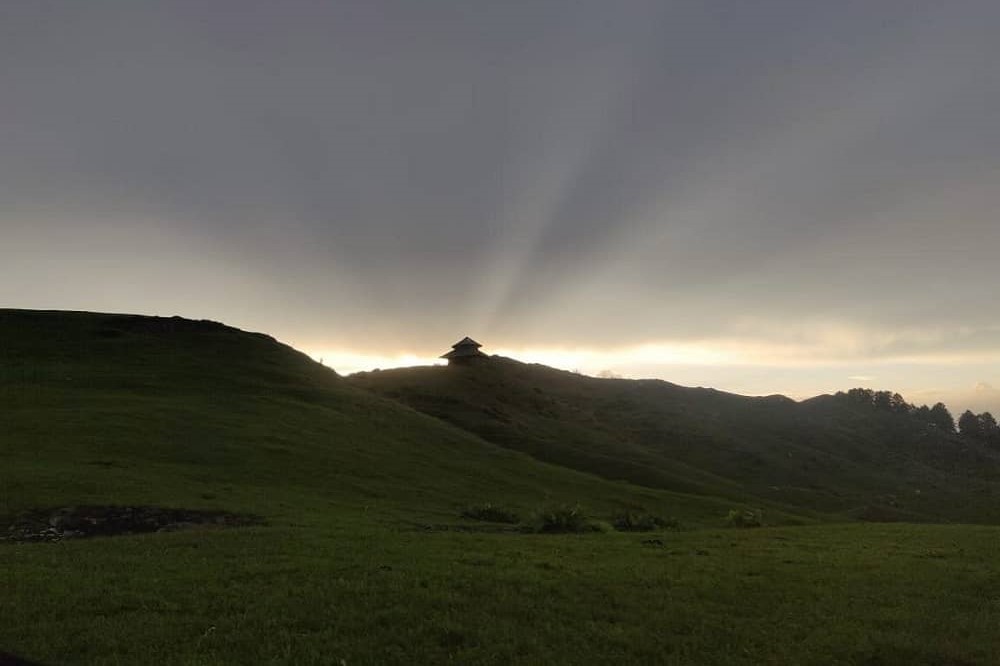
(587, 172)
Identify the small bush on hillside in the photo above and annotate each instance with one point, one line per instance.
(745, 518)
(561, 519)
(602, 526)
(640, 521)
(491, 513)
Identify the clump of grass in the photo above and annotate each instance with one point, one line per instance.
(491, 513)
(745, 518)
(641, 521)
(561, 519)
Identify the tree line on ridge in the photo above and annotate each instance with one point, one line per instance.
(982, 427)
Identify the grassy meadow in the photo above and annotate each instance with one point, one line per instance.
(356, 593)
(365, 557)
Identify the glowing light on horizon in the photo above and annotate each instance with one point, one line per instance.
(584, 360)
(597, 360)
(748, 367)
(648, 360)
(347, 362)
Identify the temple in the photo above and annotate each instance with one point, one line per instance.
(464, 351)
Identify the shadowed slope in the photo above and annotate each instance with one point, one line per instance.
(824, 454)
(101, 409)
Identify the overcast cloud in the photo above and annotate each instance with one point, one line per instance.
(815, 181)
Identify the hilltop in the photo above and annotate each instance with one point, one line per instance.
(828, 454)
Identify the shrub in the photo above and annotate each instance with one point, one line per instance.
(745, 518)
(601, 526)
(640, 521)
(491, 513)
(561, 519)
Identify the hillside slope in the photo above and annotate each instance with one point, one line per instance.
(822, 454)
(118, 409)
(110, 409)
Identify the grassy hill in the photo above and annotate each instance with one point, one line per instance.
(363, 559)
(170, 411)
(825, 454)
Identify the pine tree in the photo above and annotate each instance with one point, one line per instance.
(942, 418)
(968, 425)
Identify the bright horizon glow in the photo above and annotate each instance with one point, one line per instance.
(579, 359)
(722, 352)
(346, 362)
(744, 367)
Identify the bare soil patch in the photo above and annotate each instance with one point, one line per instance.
(75, 522)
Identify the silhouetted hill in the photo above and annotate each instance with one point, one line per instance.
(132, 410)
(825, 454)
(196, 414)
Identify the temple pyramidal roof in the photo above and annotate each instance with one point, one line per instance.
(464, 349)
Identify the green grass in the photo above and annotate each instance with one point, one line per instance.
(210, 417)
(365, 558)
(855, 594)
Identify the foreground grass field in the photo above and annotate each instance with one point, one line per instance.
(354, 593)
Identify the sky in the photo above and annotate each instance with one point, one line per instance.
(790, 196)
